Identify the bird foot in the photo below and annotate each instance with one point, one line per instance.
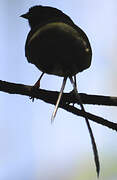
(72, 94)
(35, 87)
(33, 91)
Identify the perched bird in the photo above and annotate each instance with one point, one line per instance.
(55, 45)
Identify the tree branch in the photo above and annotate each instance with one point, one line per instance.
(90, 116)
(67, 98)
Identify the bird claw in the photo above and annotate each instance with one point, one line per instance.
(68, 103)
(33, 89)
(72, 94)
(32, 98)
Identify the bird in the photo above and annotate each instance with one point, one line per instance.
(57, 46)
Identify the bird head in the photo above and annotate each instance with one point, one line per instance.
(38, 15)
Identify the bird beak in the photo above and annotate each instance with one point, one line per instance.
(26, 16)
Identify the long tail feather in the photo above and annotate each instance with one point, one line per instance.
(95, 151)
(58, 100)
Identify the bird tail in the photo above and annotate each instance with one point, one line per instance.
(59, 98)
(95, 151)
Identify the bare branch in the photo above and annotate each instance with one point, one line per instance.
(67, 98)
(90, 116)
(48, 96)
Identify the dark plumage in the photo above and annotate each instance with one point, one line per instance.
(55, 45)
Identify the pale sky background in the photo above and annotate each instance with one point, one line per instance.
(30, 147)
